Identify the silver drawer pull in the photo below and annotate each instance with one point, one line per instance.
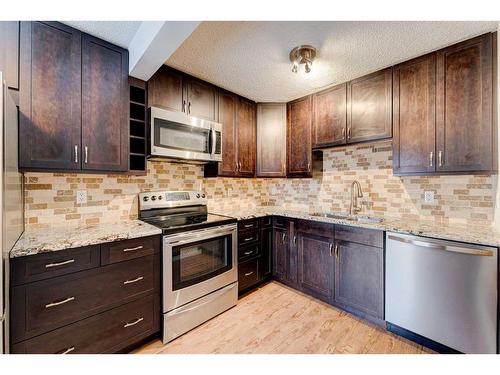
(69, 350)
(248, 273)
(50, 265)
(248, 252)
(133, 281)
(248, 239)
(53, 304)
(248, 225)
(138, 320)
(132, 249)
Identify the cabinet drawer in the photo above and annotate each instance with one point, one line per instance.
(248, 238)
(103, 333)
(246, 252)
(371, 237)
(248, 274)
(266, 221)
(246, 225)
(44, 266)
(280, 221)
(314, 228)
(114, 252)
(49, 304)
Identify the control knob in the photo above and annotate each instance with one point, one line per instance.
(153, 198)
(145, 199)
(197, 195)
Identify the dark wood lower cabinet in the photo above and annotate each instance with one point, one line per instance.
(103, 304)
(359, 278)
(314, 244)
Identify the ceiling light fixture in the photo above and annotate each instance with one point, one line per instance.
(302, 55)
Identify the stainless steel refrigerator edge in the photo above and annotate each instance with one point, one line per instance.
(12, 217)
(445, 291)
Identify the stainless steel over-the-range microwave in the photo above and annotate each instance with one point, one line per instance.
(176, 135)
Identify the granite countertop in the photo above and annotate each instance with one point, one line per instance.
(36, 241)
(476, 234)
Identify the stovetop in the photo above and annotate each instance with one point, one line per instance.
(176, 223)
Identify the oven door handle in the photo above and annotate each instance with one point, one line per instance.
(212, 142)
(205, 234)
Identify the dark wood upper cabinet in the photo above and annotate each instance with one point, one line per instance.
(228, 103)
(201, 99)
(50, 96)
(246, 137)
(414, 115)
(165, 89)
(271, 140)
(465, 137)
(369, 107)
(105, 97)
(299, 137)
(9, 52)
(329, 117)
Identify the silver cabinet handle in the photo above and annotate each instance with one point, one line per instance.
(331, 249)
(138, 320)
(248, 225)
(348, 132)
(295, 240)
(132, 249)
(249, 273)
(440, 158)
(309, 166)
(50, 265)
(431, 158)
(76, 153)
(189, 108)
(439, 246)
(184, 106)
(86, 155)
(283, 238)
(336, 251)
(53, 304)
(69, 350)
(133, 280)
(248, 252)
(248, 239)
(343, 133)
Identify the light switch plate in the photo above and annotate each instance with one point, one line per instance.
(81, 196)
(428, 196)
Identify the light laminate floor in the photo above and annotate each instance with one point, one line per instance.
(277, 319)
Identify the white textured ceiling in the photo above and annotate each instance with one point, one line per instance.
(116, 32)
(251, 58)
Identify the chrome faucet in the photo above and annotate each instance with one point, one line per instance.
(354, 207)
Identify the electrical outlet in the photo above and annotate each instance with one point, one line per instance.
(428, 196)
(81, 196)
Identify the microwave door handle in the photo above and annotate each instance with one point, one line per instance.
(213, 142)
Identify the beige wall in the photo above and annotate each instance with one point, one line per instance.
(50, 198)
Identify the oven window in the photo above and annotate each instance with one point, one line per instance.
(199, 261)
(173, 135)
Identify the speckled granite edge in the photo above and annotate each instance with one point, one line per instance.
(38, 241)
(482, 235)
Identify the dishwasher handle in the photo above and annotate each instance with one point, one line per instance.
(438, 245)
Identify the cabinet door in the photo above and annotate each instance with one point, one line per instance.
(265, 266)
(359, 278)
(201, 99)
(316, 265)
(465, 137)
(9, 52)
(227, 116)
(369, 104)
(299, 146)
(50, 96)
(414, 114)
(246, 137)
(165, 90)
(280, 253)
(271, 140)
(105, 96)
(329, 117)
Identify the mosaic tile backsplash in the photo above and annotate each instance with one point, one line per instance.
(51, 198)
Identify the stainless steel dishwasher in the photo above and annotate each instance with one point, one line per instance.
(443, 290)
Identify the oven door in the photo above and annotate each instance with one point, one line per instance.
(198, 263)
(177, 135)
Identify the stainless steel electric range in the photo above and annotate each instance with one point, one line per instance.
(200, 275)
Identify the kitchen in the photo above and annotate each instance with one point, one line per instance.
(160, 197)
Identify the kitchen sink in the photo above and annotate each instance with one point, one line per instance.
(342, 216)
